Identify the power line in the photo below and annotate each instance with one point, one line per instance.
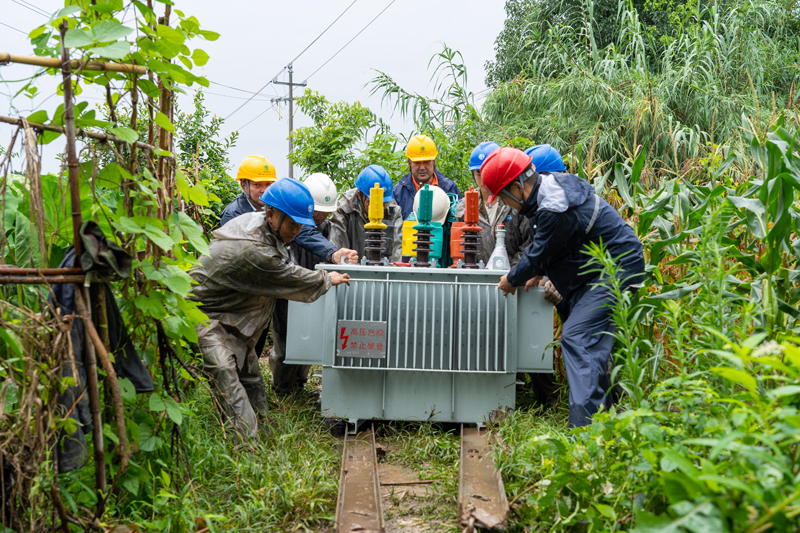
(32, 9)
(284, 68)
(351, 40)
(37, 7)
(13, 28)
(257, 117)
(240, 90)
(236, 97)
(323, 33)
(229, 87)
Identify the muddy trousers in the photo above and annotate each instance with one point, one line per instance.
(284, 377)
(242, 390)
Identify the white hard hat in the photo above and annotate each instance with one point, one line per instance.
(323, 190)
(440, 207)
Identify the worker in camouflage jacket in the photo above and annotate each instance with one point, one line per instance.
(246, 270)
(290, 378)
(255, 174)
(347, 222)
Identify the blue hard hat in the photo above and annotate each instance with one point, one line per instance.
(293, 198)
(480, 153)
(546, 158)
(371, 175)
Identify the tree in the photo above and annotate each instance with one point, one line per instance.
(329, 146)
(203, 157)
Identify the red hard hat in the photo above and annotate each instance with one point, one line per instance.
(501, 167)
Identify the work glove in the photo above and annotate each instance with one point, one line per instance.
(550, 292)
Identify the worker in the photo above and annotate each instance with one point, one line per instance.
(421, 155)
(255, 174)
(287, 379)
(489, 216)
(567, 215)
(247, 268)
(347, 222)
(546, 158)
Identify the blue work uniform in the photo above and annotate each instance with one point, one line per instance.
(405, 191)
(565, 215)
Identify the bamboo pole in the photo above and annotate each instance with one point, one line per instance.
(40, 280)
(97, 420)
(165, 137)
(111, 375)
(6, 270)
(72, 155)
(79, 132)
(51, 62)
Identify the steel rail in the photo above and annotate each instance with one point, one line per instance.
(358, 506)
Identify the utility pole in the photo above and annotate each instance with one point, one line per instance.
(290, 99)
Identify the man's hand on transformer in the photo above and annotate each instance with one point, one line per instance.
(506, 287)
(535, 281)
(550, 292)
(351, 256)
(338, 279)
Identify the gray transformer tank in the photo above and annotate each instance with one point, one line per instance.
(420, 344)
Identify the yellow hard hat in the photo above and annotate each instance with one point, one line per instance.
(421, 148)
(256, 168)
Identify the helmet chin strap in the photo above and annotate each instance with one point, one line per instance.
(527, 174)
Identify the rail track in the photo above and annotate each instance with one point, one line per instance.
(482, 502)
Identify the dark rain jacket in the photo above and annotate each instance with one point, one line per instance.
(347, 226)
(404, 191)
(247, 269)
(517, 232)
(309, 238)
(565, 215)
(303, 257)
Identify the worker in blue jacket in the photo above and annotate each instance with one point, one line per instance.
(255, 174)
(565, 216)
(421, 154)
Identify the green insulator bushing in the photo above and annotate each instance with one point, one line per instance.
(424, 226)
(425, 211)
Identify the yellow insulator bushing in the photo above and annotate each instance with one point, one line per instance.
(375, 214)
(409, 237)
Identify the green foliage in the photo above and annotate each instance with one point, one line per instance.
(708, 358)
(329, 146)
(450, 118)
(203, 157)
(514, 39)
(132, 200)
(672, 91)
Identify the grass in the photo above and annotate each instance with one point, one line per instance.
(288, 481)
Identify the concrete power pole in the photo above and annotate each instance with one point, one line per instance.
(290, 99)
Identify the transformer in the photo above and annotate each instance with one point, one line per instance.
(416, 344)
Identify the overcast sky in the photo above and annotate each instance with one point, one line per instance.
(259, 38)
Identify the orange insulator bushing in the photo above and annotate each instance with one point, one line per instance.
(456, 240)
(471, 230)
(472, 211)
